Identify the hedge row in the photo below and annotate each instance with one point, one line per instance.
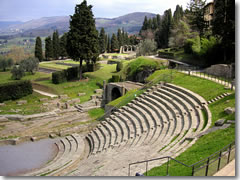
(72, 73)
(15, 90)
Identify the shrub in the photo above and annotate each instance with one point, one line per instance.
(115, 78)
(59, 77)
(15, 90)
(17, 72)
(30, 64)
(119, 66)
(192, 46)
(72, 73)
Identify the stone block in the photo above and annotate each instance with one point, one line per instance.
(229, 110)
(45, 104)
(230, 122)
(81, 94)
(219, 122)
(227, 88)
(3, 119)
(93, 97)
(52, 135)
(2, 104)
(64, 96)
(76, 100)
(43, 99)
(21, 102)
(98, 91)
(33, 139)
(65, 106)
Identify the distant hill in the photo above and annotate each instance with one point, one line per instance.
(46, 25)
(5, 24)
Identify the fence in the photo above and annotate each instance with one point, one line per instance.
(205, 167)
(196, 71)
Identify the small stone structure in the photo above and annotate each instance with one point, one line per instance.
(128, 48)
(229, 110)
(222, 70)
(112, 91)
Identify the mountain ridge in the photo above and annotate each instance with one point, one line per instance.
(44, 26)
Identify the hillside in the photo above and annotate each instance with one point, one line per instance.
(46, 25)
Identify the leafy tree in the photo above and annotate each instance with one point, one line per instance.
(102, 41)
(3, 64)
(29, 65)
(195, 15)
(147, 47)
(63, 46)
(48, 48)
(114, 43)
(38, 49)
(56, 46)
(82, 38)
(17, 72)
(179, 33)
(17, 54)
(10, 62)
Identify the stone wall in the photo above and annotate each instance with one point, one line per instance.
(223, 70)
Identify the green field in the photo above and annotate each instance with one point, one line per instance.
(195, 84)
(6, 76)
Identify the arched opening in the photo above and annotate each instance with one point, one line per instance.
(116, 93)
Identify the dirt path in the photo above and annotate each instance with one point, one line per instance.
(228, 170)
(45, 93)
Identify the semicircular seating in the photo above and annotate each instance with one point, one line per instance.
(70, 151)
(163, 121)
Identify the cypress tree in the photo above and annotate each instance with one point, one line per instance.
(102, 41)
(82, 38)
(109, 45)
(162, 35)
(158, 20)
(48, 48)
(224, 27)
(120, 38)
(114, 43)
(196, 15)
(63, 46)
(38, 49)
(56, 46)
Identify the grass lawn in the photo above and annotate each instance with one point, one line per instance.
(217, 108)
(88, 87)
(6, 76)
(195, 84)
(33, 106)
(204, 147)
(96, 113)
(115, 54)
(53, 65)
(123, 100)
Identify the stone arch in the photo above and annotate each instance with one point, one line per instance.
(115, 93)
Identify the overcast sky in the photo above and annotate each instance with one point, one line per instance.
(24, 10)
